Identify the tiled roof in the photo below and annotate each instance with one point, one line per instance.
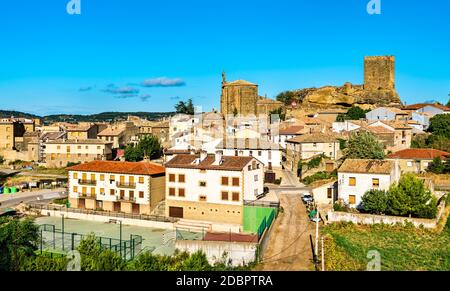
(314, 138)
(393, 124)
(422, 105)
(134, 168)
(366, 166)
(425, 154)
(79, 127)
(379, 130)
(112, 131)
(229, 163)
(292, 130)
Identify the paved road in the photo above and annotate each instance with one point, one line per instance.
(289, 247)
(11, 200)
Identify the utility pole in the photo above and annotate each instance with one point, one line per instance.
(316, 247)
(323, 256)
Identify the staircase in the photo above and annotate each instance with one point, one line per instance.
(160, 209)
(193, 225)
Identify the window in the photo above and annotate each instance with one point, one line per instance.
(181, 178)
(235, 182)
(315, 145)
(141, 180)
(409, 164)
(102, 177)
(75, 175)
(225, 196)
(84, 190)
(171, 177)
(112, 192)
(225, 181)
(330, 193)
(235, 196)
(79, 147)
(181, 192)
(102, 191)
(141, 194)
(131, 194)
(92, 177)
(236, 153)
(375, 183)
(202, 198)
(75, 189)
(251, 153)
(249, 167)
(171, 191)
(202, 184)
(112, 178)
(256, 178)
(352, 199)
(92, 191)
(259, 153)
(352, 181)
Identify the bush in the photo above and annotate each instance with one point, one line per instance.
(319, 176)
(375, 202)
(315, 162)
(61, 201)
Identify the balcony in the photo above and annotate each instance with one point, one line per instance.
(126, 185)
(87, 182)
(126, 199)
(87, 196)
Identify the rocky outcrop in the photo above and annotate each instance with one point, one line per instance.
(346, 95)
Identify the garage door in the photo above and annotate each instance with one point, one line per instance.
(176, 212)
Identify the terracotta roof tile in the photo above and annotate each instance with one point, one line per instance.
(422, 105)
(136, 168)
(314, 138)
(426, 154)
(229, 163)
(366, 166)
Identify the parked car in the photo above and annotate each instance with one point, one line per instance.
(307, 197)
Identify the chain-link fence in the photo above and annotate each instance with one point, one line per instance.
(57, 240)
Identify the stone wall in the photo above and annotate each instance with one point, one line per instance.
(379, 73)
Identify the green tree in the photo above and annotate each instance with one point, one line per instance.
(440, 125)
(354, 113)
(110, 261)
(197, 262)
(18, 239)
(279, 112)
(185, 107)
(299, 168)
(364, 145)
(410, 197)
(43, 262)
(448, 103)
(436, 166)
(90, 250)
(375, 201)
(148, 146)
(439, 142)
(286, 97)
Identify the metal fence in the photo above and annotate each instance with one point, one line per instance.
(54, 239)
(102, 213)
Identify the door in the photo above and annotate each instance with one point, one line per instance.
(117, 207)
(81, 204)
(330, 193)
(136, 209)
(176, 212)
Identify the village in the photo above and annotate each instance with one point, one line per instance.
(247, 184)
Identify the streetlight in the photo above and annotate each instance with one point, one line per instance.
(62, 228)
(115, 221)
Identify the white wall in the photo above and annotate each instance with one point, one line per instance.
(267, 155)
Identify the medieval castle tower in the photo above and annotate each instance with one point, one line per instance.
(379, 73)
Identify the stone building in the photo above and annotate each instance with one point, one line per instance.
(379, 73)
(241, 98)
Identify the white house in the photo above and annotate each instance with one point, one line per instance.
(270, 154)
(212, 188)
(387, 114)
(117, 186)
(287, 133)
(356, 177)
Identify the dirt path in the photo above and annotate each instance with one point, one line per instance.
(289, 247)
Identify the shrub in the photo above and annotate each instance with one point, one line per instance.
(375, 201)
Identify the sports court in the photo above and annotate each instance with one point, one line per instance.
(156, 240)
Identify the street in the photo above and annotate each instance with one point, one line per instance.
(11, 200)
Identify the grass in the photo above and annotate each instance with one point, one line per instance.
(401, 248)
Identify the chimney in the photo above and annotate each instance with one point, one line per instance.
(218, 158)
(203, 155)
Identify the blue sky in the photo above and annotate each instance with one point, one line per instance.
(145, 55)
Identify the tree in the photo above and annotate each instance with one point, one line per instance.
(410, 197)
(148, 146)
(448, 103)
(89, 250)
(299, 168)
(18, 239)
(364, 145)
(286, 97)
(185, 107)
(110, 261)
(197, 262)
(439, 142)
(354, 113)
(440, 125)
(436, 166)
(375, 201)
(278, 112)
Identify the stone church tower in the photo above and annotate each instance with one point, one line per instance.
(238, 97)
(379, 73)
